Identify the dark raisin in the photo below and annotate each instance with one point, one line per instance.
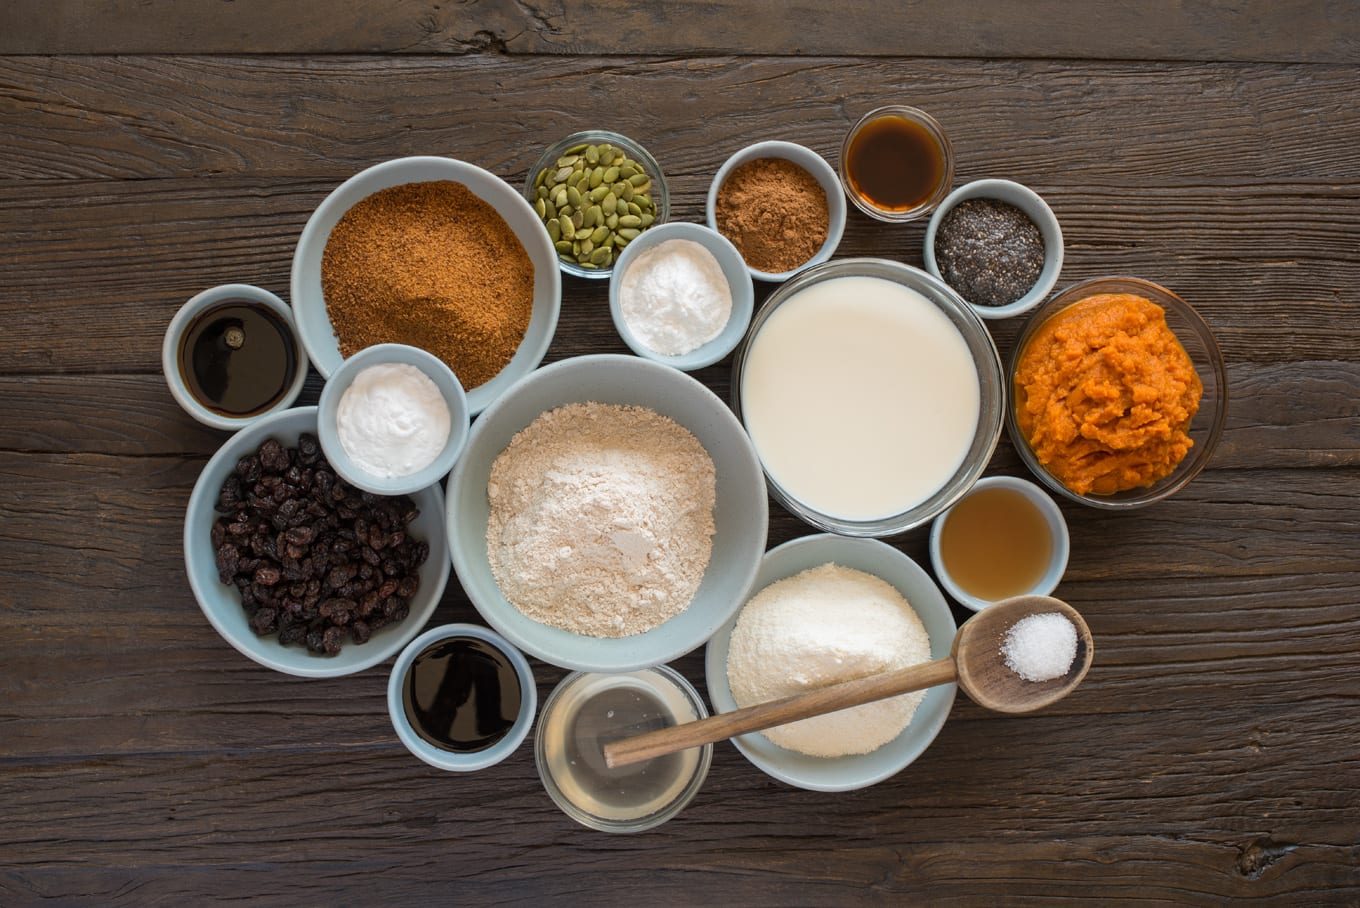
(294, 633)
(360, 631)
(248, 468)
(308, 448)
(218, 534)
(408, 585)
(264, 621)
(333, 639)
(231, 493)
(315, 640)
(228, 560)
(273, 457)
(267, 576)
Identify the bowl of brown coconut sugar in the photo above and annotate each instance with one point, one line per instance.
(433, 253)
(608, 514)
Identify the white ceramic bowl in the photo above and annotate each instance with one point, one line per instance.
(446, 759)
(313, 322)
(221, 604)
(1036, 209)
(198, 305)
(741, 512)
(738, 279)
(861, 770)
(1057, 529)
(449, 388)
(814, 164)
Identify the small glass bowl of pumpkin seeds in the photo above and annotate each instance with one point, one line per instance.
(596, 191)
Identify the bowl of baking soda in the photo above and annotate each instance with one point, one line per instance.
(681, 295)
(393, 419)
(827, 609)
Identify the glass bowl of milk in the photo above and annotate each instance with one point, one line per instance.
(873, 394)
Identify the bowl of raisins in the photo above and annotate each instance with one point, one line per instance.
(301, 571)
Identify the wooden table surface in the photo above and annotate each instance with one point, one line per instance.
(151, 149)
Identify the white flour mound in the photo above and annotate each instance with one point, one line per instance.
(601, 519)
(827, 624)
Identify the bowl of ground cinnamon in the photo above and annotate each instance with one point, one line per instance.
(433, 253)
(781, 205)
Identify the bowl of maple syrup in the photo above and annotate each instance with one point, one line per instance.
(232, 355)
(1005, 538)
(897, 164)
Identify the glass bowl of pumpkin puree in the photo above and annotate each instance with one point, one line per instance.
(1118, 393)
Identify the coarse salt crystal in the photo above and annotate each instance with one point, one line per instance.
(1041, 647)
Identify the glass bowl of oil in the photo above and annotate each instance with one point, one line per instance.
(588, 710)
(897, 164)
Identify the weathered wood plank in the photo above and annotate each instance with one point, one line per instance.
(989, 785)
(1088, 125)
(1159, 29)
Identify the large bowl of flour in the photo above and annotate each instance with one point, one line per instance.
(627, 482)
(805, 643)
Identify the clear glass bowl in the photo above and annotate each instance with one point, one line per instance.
(991, 392)
(1206, 428)
(609, 811)
(659, 192)
(932, 126)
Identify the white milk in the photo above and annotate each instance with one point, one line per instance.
(861, 397)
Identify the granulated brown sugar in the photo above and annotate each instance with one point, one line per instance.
(433, 266)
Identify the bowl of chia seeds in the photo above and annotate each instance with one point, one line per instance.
(998, 244)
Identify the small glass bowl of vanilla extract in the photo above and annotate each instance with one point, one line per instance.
(232, 355)
(897, 164)
(461, 698)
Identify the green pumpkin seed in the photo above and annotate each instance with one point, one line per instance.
(607, 154)
(562, 174)
(625, 191)
(611, 221)
(540, 208)
(568, 228)
(577, 149)
(554, 230)
(645, 201)
(593, 154)
(634, 208)
(593, 202)
(559, 197)
(586, 246)
(598, 193)
(595, 214)
(638, 179)
(573, 197)
(563, 246)
(647, 218)
(596, 177)
(550, 211)
(601, 257)
(611, 175)
(628, 233)
(630, 220)
(620, 241)
(609, 203)
(600, 234)
(578, 218)
(567, 160)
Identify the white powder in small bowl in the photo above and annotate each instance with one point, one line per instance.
(819, 627)
(675, 298)
(1041, 647)
(392, 420)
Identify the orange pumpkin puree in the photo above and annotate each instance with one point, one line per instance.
(1105, 394)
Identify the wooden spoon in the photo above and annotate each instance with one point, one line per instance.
(975, 661)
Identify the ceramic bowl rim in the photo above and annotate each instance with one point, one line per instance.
(810, 161)
(451, 390)
(1057, 528)
(1036, 209)
(448, 760)
(262, 650)
(743, 294)
(202, 302)
(914, 740)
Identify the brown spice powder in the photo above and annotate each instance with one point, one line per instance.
(433, 266)
(774, 212)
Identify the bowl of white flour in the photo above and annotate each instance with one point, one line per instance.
(823, 609)
(608, 514)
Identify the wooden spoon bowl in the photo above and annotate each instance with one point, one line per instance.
(982, 669)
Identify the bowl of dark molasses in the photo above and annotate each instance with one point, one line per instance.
(232, 355)
(461, 697)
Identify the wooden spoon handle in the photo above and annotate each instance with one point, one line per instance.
(778, 712)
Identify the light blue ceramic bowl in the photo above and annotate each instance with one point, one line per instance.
(446, 759)
(738, 279)
(844, 773)
(741, 513)
(309, 303)
(222, 604)
(204, 302)
(449, 387)
(814, 164)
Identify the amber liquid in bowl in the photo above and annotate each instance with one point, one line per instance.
(895, 164)
(238, 359)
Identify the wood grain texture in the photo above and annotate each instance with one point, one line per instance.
(1295, 30)
(151, 149)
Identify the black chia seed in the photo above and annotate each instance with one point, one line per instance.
(989, 251)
